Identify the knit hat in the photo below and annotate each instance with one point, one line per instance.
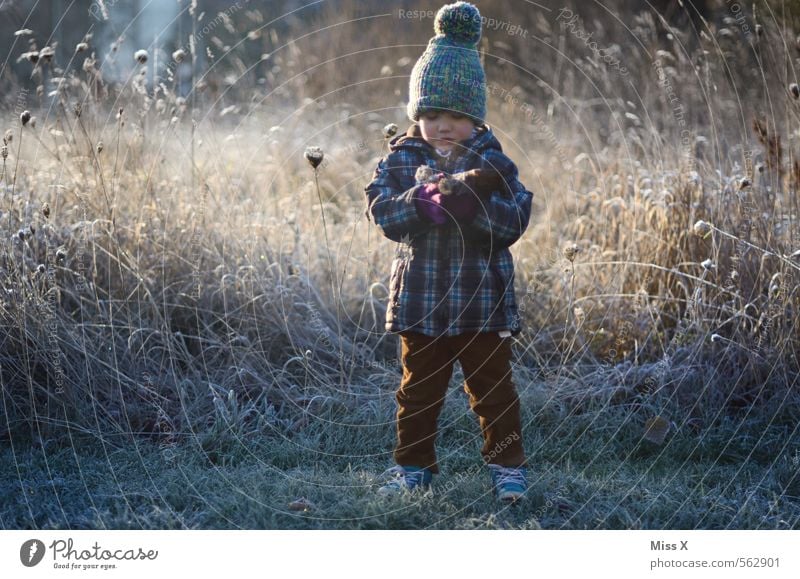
(449, 74)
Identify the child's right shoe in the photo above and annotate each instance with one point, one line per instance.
(509, 483)
(406, 478)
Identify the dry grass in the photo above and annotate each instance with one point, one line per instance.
(187, 288)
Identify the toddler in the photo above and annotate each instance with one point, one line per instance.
(452, 200)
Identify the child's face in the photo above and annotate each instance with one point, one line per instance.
(443, 129)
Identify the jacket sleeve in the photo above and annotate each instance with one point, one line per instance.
(504, 215)
(392, 207)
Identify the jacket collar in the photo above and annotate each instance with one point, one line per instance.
(484, 138)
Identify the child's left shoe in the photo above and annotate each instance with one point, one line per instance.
(509, 483)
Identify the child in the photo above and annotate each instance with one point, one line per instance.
(452, 284)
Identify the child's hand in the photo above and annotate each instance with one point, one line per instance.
(480, 182)
(429, 203)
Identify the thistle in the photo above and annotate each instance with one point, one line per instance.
(571, 251)
(390, 130)
(314, 156)
(702, 229)
(425, 174)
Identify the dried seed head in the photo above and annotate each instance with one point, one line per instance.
(8, 137)
(61, 254)
(41, 269)
(140, 56)
(424, 174)
(78, 108)
(179, 55)
(571, 251)
(795, 90)
(390, 130)
(81, 47)
(99, 146)
(314, 156)
(32, 228)
(32, 56)
(4, 152)
(23, 32)
(702, 228)
(25, 117)
(708, 265)
(744, 183)
(715, 337)
(47, 53)
(21, 234)
(32, 122)
(447, 186)
(759, 30)
(46, 210)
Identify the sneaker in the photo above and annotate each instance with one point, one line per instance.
(508, 482)
(406, 478)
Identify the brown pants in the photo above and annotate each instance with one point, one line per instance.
(428, 362)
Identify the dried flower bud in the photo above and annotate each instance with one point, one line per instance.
(99, 146)
(47, 53)
(78, 108)
(314, 156)
(4, 152)
(61, 254)
(25, 117)
(140, 56)
(424, 174)
(21, 234)
(390, 130)
(41, 269)
(46, 210)
(702, 228)
(571, 251)
(8, 137)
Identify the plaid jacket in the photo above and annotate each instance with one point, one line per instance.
(452, 278)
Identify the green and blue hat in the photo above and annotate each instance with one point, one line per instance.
(449, 74)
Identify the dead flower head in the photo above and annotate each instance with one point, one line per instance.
(47, 53)
(314, 156)
(25, 117)
(390, 130)
(81, 47)
(46, 210)
(140, 56)
(702, 228)
(571, 251)
(179, 55)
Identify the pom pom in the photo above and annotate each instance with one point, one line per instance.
(459, 21)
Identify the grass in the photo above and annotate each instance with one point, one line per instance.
(587, 474)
